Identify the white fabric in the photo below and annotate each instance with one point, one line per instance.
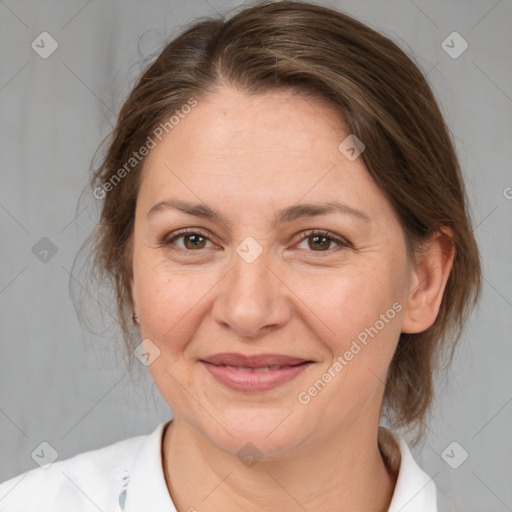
(128, 477)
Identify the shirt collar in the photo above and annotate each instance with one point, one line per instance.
(147, 489)
(414, 490)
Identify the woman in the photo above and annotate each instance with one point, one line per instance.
(285, 224)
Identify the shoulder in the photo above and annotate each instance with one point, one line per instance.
(91, 480)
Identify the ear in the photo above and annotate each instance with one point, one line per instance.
(429, 275)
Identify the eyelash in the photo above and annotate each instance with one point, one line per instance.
(342, 243)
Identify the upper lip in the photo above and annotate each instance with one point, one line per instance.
(256, 361)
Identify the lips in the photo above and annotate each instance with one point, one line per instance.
(254, 373)
(256, 361)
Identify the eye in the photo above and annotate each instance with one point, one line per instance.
(193, 239)
(320, 240)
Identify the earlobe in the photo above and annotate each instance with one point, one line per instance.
(428, 281)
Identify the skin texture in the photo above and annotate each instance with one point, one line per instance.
(248, 157)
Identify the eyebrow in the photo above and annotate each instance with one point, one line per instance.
(288, 214)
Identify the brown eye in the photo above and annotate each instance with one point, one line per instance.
(192, 241)
(319, 242)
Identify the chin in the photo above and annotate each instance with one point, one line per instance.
(268, 434)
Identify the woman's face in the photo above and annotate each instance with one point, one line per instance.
(245, 282)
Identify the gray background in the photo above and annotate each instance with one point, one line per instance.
(62, 384)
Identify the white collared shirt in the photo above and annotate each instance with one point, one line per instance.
(128, 476)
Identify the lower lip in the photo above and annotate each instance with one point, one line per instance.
(240, 380)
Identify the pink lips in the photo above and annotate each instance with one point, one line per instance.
(254, 373)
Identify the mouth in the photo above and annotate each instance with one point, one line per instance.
(254, 373)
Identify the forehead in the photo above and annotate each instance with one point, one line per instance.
(266, 150)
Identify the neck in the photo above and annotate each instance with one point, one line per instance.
(346, 474)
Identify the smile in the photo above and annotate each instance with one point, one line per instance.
(251, 374)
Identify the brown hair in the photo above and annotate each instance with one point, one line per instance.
(386, 102)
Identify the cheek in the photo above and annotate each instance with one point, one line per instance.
(170, 305)
(358, 319)
(169, 301)
(347, 300)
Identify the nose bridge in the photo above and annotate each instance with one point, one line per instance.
(251, 296)
(251, 276)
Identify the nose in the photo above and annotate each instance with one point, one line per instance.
(252, 299)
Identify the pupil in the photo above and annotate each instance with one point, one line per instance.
(324, 239)
(195, 239)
